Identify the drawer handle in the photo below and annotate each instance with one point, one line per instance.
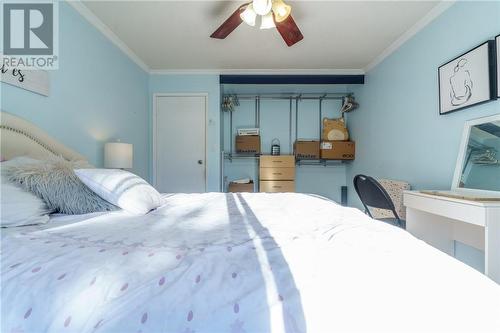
(277, 161)
(276, 186)
(277, 173)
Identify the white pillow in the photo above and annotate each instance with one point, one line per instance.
(17, 206)
(122, 189)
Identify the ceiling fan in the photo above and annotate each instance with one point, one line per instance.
(273, 14)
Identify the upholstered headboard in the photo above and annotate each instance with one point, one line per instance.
(19, 137)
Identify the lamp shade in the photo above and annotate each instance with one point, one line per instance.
(267, 21)
(248, 16)
(281, 10)
(118, 155)
(262, 7)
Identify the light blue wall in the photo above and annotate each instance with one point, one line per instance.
(398, 131)
(194, 84)
(98, 94)
(310, 179)
(274, 123)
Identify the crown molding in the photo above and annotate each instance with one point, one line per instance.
(257, 72)
(422, 23)
(106, 31)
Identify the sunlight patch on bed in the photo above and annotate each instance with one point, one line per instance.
(276, 319)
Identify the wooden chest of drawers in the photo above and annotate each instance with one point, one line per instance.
(277, 173)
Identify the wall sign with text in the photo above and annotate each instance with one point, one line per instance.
(33, 80)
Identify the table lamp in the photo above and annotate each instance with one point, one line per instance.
(118, 155)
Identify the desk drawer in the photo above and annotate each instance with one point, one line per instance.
(277, 173)
(277, 186)
(282, 161)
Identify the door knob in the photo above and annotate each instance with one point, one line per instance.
(200, 162)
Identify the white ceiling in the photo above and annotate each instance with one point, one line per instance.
(338, 35)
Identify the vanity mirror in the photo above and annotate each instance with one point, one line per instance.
(477, 171)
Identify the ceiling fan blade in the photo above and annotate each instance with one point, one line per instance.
(229, 25)
(289, 31)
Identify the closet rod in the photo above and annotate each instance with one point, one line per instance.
(287, 98)
(338, 96)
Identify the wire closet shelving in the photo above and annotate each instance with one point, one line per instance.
(294, 100)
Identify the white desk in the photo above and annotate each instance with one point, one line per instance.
(440, 221)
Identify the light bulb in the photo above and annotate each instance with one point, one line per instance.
(281, 10)
(267, 21)
(262, 7)
(248, 16)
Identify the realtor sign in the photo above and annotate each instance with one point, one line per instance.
(30, 35)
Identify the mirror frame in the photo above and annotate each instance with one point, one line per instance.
(462, 152)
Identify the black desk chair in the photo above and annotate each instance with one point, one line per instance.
(372, 194)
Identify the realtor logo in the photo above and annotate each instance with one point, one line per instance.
(29, 34)
(28, 29)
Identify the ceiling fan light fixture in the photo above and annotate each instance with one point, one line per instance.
(249, 15)
(273, 14)
(281, 10)
(267, 21)
(262, 7)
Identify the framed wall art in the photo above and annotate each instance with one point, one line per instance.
(497, 42)
(468, 79)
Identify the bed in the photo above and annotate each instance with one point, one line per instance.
(217, 262)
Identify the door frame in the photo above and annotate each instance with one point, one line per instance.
(155, 111)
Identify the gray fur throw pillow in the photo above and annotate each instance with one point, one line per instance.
(55, 182)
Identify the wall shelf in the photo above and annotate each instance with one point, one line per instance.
(299, 163)
(231, 156)
(324, 163)
(321, 162)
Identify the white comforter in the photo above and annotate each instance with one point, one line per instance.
(237, 263)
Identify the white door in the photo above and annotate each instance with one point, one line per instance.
(179, 143)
